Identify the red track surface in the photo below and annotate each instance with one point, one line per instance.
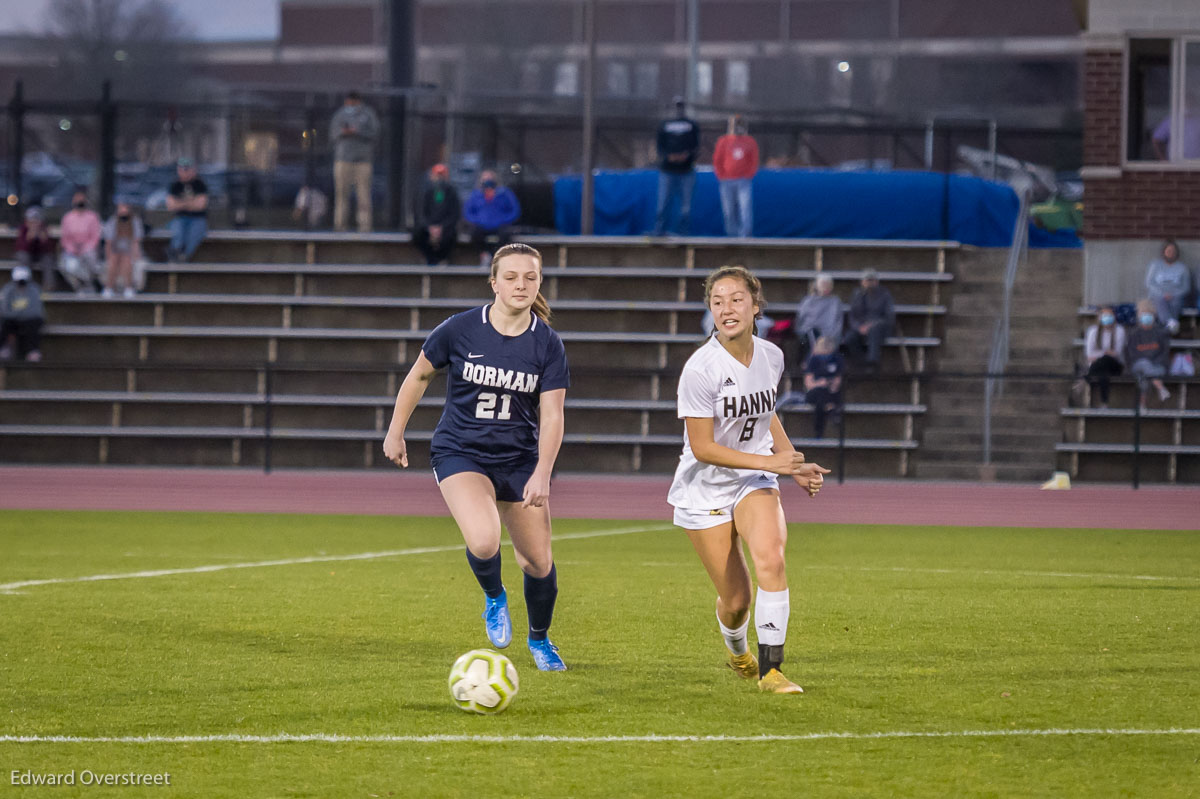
(590, 496)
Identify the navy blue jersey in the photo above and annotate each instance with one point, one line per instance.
(827, 366)
(493, 385)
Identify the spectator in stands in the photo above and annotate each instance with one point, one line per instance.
(678, 145)
(21, 317)
(819, 314)
(1168, 282)
(188, 200)
(79, 237)
(123, 233)
(735, 161)
(353, 131)
(871, 320)
(1104, 348)
(823, 383)
(1147, 350)
(491, 210)
(436, 232)
(34, 247)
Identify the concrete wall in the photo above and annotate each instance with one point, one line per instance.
(1118, 16)
(1115, 270)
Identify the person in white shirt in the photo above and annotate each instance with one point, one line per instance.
(1104, 348)
(725, 486)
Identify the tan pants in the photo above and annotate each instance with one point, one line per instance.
(348, 174)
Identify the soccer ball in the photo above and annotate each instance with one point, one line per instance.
(483, 681)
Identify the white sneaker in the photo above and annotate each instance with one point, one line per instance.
(1172, 326)
(130, 293)
(1163, 394)
(107, 293)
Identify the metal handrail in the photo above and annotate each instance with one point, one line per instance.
(998, 357)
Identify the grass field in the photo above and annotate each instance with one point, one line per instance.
(936, 662)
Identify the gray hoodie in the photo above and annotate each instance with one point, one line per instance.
(1163, 278)
(822, 312)
(359, 146)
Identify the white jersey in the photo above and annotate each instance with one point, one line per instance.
(741, 402)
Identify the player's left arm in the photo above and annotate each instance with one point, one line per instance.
(811, 475)
(550, 436)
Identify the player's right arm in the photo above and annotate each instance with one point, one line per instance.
(411, 391)
(707, 450)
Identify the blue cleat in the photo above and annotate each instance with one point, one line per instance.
(496, 620)
(545, 655)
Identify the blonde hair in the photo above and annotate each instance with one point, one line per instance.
(540, 306)
(738, 272)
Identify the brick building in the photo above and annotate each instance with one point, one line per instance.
(1141, 142)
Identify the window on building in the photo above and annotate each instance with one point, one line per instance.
(704, 79)
(566, 79)
(1163, 105)
(645, 79)
(737, 80)
(616, 81)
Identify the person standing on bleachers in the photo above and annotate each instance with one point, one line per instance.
(79, 237)
(21, 317)
(735, 162)
(1104, 348)
(1147, 351)
(188, 200)
(436, 232)
(35, 249)
(123, 233)
(1168, 283)
(678, 144)
(491, 211)
(823, 383)
(871, 320)
(353, 131)
(819, 314)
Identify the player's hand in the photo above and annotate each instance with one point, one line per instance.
(785, 462)
(395, 450)
(537, 491)
(811, 477)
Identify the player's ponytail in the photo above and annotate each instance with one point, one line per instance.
(540, 306)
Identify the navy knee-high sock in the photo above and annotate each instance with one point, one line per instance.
(540, 594)
(487, 572)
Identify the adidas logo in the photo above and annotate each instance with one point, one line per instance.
(768, 626)
(764, 478)
(728, 382)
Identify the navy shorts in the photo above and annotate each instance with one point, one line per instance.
(508, 478)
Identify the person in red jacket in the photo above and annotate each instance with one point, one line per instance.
(735, 160)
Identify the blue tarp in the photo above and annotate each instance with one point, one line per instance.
(819, 204)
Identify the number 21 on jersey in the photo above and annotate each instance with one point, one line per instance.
(486, 407)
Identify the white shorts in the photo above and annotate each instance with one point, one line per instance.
(704, 518)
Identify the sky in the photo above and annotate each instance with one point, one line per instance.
(211, 19)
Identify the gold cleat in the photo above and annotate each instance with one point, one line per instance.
(775, 683)
(744, 665)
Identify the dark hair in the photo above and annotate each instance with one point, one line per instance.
(540, 306)
(1169, 243)
(739, 272)
(353, 96)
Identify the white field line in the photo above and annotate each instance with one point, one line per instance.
(584, 739)
(1005, 573)
(13, 588)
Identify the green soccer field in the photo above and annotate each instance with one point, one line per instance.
(936, 662)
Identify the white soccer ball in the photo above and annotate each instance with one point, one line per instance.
(483, 681)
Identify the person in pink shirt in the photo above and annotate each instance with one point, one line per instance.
(735, 160)
(79, 238)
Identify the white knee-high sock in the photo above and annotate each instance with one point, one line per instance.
(771, 611)
(735, 639)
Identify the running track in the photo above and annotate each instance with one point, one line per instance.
(590, 496)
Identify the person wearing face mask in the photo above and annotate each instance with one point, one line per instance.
(123, 234)
(436, 232)
(35, 249)
(21, 317)
(1147, 351)
(735, 161)
(1104, 348)
(79, 237)
(490, 210)
(1168, 282)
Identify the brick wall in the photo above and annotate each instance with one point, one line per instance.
(1131, 204)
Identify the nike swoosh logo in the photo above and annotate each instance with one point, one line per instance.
(473, 355)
